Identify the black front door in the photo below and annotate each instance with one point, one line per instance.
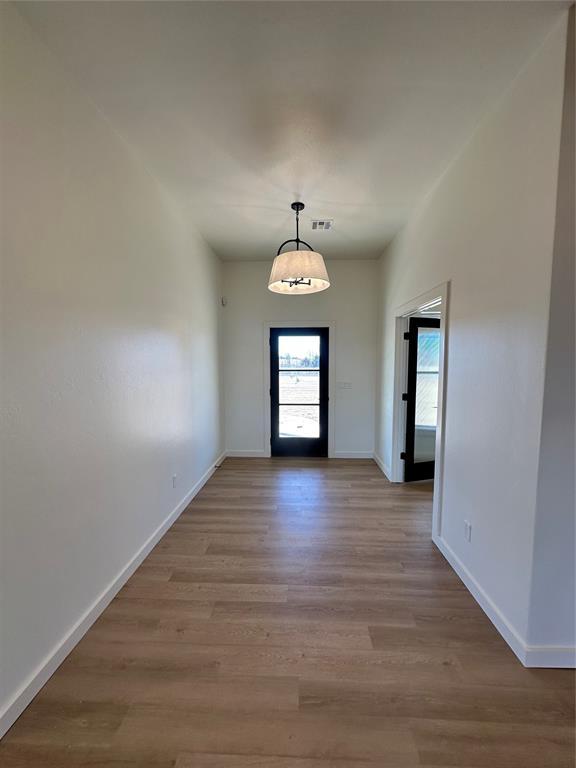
(421, 398)
(299, 391)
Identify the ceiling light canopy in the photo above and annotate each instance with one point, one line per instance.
(296, 271)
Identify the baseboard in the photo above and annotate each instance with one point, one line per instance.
(506, 629)
(260, 454)
(353, 455)
(529, 655)
(385, 469)
(10, 713)
(217, 464)
(555, 656)
(254, 454)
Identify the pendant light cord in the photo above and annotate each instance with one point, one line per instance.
(297, 230)
(297, 239)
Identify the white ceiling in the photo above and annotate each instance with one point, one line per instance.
(239, 108)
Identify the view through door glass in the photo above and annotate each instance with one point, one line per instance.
(298, 392)
(427, 375)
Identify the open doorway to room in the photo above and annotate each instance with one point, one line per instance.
(419, 393)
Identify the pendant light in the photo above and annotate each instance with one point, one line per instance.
(296, 271)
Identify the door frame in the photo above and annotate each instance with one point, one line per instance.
(402, 316)
(331, 369)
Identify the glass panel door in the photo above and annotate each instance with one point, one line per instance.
(422, 398)
(299, 391)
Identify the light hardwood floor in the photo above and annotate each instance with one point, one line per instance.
(297, 615)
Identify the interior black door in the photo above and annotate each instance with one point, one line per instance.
(421, 397)
(299, 391)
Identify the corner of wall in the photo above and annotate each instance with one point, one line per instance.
(552, 609)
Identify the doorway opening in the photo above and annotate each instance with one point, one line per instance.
(420, 365)
(299, 391)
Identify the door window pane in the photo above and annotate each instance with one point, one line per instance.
(426, 399)
(299, 352)
(299, 421)
(299, 387)
(427, 376)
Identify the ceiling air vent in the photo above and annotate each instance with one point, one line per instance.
(322, 224)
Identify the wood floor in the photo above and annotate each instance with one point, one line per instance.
(297, 616)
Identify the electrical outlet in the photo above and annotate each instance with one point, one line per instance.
(174, 481)
(467, 530)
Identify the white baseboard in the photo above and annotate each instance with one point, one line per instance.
(385, 469)
(353, 455)
(530, 655)
(261, 454)
(253, 454)
(555, 656)
(10, 713)
(207, 475)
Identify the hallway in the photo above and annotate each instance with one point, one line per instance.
(296, 615)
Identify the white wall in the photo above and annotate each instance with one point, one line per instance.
(109, 344)
(349, 304)
(553, 599)
(488, 227)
